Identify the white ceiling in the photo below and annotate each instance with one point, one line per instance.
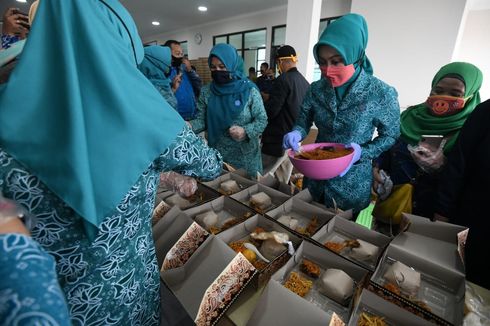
(175, 14)
(178, 14)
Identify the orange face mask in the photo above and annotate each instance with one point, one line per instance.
(443, 105)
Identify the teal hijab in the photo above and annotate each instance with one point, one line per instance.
(228, 100)
(349, 36)
(156, 63)
(78, 113)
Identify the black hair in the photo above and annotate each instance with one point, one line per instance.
(170, 42)
(251, 69)
(265, 64)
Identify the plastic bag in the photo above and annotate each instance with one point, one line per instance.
(427, 159)
(479, 310)
(382, 184)
(183, 185)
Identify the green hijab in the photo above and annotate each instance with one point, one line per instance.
(349, 36)
(417, 120)
(226, 101)
(77, 112)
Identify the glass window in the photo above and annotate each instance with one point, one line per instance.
(220, 39)
(250, 59)
(255, 39)
(236, 40)
(279, 36)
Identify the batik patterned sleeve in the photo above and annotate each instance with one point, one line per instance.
(29, 289)
(199, 123)
(387, 122)
(305, 117)
(259, 117)
(189, 155)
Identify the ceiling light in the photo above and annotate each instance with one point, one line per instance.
(23, 1)
(202, 8)
(155, 23)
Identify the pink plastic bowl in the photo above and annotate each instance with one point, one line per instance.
(320, 169)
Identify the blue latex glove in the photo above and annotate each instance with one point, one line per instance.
(355, 158)
(291, 140)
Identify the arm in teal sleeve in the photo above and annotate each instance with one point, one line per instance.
(189, 155)
(29, 290)
(259, 116)
(387, 123)
(199, 123)
(305, 117)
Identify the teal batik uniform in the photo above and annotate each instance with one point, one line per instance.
(350, 113)
(29, 289)
(83, 138)
(239, 103)
(114, 279)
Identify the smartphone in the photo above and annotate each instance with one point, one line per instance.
(433, 141)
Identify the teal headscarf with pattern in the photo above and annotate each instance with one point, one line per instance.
(348, 35)
(78, 113)
(227, 100)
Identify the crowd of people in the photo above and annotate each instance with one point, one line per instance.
(82, 153)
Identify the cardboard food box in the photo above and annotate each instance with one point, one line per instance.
(306, 196)
(229, 211)
(209, 280)
(277, 197)
(338, 230)
(279, 306)
(242, 232)
(375, 306)
(168, 230)
(242, 182)
(202, 195)
(327, 305)
(304, 214)
(273, 183)
(435, 292)
(435, 242)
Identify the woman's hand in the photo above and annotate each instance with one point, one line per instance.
(14, 22)
(237, 133)
(291, 140)
(183, 185)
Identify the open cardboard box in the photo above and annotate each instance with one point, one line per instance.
(271, 182)
(279, 306)
(372, 304)
(243, 230)
(168, 230)
(242, 182)
(306, 196)
(191, 282)
(435, 242)
(339, 229)
(225, 208)
(288, 305)
(202, 195)
(304, 213)
(277, 197)
(441, 289)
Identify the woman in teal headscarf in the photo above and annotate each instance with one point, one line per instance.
(454, 95)
(347, 105)
(156, 67)
(232, 111)
(83, 139)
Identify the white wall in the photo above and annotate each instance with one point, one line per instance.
(410, 40)
(268, 18)
(475, 46)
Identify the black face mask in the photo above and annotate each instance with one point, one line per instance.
(176, 62)
(221, 76)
